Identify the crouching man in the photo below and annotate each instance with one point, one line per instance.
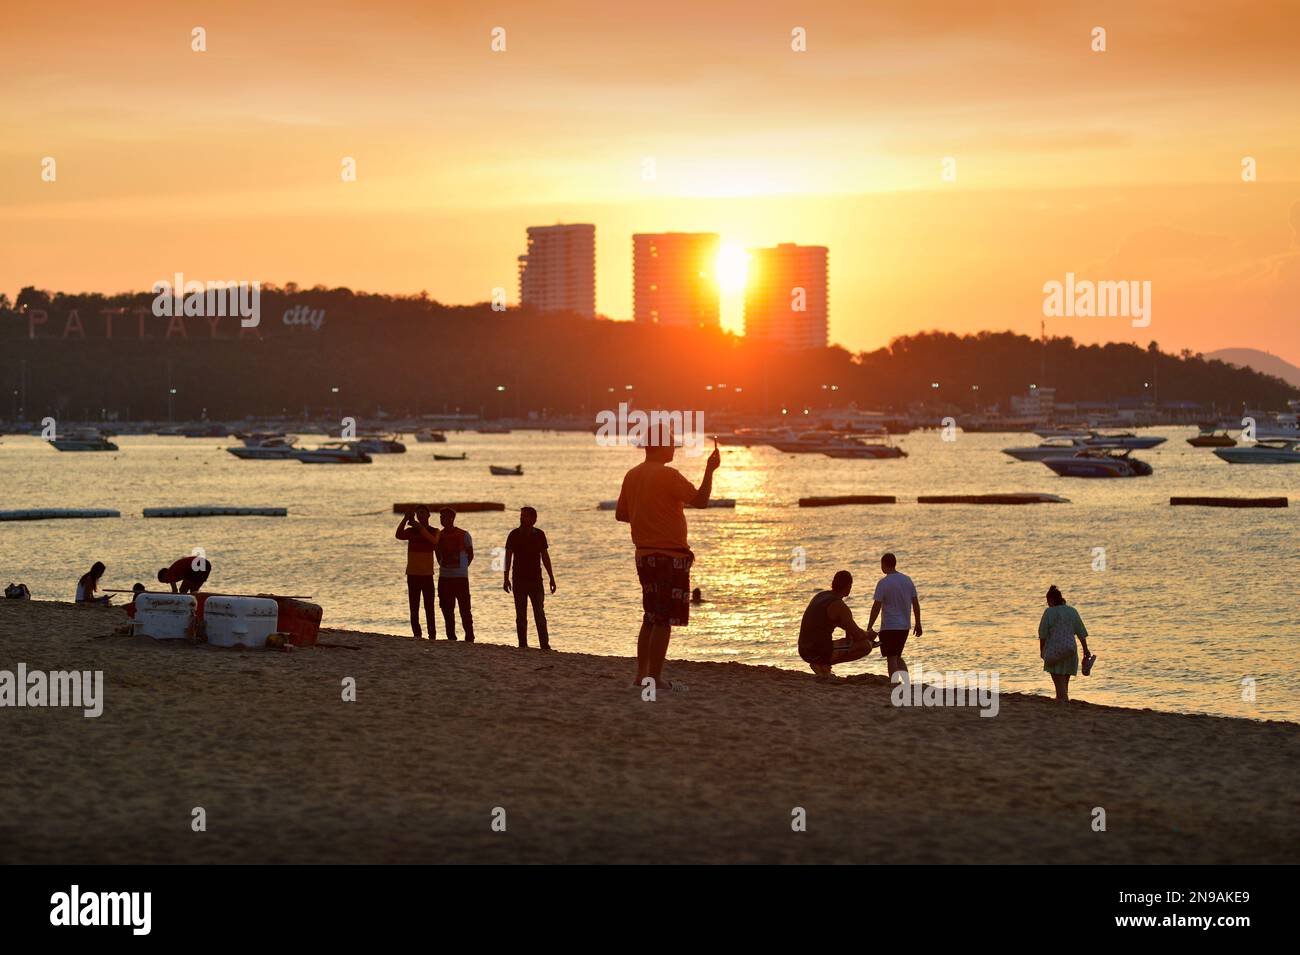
(825, 613)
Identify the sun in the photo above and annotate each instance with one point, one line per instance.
(732, 268)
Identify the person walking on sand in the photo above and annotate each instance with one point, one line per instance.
(455, 552)
(420, 539)
(652, 500)
(88, 583)
(526, 553)
(187, 575)
(1059, 625)
(895, 596)
(825, 612)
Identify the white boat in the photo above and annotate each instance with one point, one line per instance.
(270, 449)
(1272, 451)
(1058, 447)
(748, 437)
(256, 439)
(426, 435)
(83, 441)
(1281, 429)
(337, 452)
(1123, 439)
(1099, 463)
(867, 446)
(836, 445)
(515, 471)
(377, 444)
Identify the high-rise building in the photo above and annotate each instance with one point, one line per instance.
(785, 296)
(674, 278)
(558, 273)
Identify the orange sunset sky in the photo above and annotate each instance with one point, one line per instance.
(1122, 165)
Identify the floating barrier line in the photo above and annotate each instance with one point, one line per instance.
(57, 513)
(203, 510)
(1230, 501)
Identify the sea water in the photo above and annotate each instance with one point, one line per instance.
(1189, 609)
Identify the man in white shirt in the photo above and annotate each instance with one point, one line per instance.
(896, 595)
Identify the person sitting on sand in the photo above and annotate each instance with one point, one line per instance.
(89, 583)
(136, 591)
(1059, 625)
(421, 539)
(895, 595)
(187, 575)
(825, 612)
(652, 500)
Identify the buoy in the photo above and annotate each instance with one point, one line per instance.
(204, 510)
(460, 507)
(1230, 501)
(55, 513)
(847, 499)
(993, 499)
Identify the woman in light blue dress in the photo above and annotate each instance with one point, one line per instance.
(1059, 613)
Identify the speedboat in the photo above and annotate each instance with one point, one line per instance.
(376, 444)
(334, 452)
(1272, 451)
(1208, 438)
(1051, 448)
(210, 430)
(83, 441)
(256, 439)
(1123, 439)
(836, 445)
(866, 446)
(425, 435)
(515, 471)
(1099, 463)
(748, 437)
(269, 449)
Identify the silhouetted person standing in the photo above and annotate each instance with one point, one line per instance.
(455, 552)
(1057, 630)
(420, 541)
(652, 501)
(896, 596)
(526, 552)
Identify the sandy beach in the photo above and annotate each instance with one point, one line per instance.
(441, 734)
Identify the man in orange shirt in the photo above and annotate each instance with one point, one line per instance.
(652, 501)
(421, 539)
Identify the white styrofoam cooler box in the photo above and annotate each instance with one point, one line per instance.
(239, 620)
(164, 616)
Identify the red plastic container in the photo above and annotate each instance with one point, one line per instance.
(299, 619)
